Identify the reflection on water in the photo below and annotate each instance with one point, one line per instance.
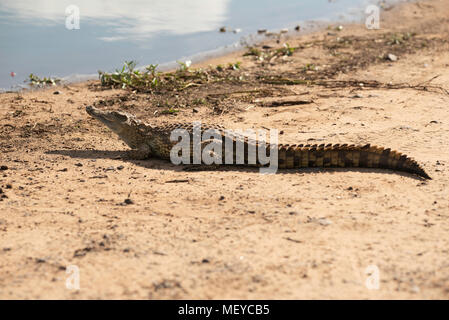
(130, 19)
(34, 39)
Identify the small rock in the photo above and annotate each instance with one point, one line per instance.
(57, 92)
(392, 57)
(221, 198)
(78, 164)
(3, 168)
(223, 29)
(205, 261)
(349, 188)
(109, 169)
(298, 28)
(120, 167)
(1, 190)
(128, 201)
(324, 222)
(260, 31)
(63, 170)
(358, 95)
(237, 30)
(285, 30)
(194, 110)
(8, 186)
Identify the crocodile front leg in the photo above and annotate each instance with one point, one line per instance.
(142, 153)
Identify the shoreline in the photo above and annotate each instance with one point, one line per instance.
(224, 52)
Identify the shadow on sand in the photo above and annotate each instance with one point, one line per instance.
(165, 165)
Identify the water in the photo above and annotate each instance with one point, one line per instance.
(34, 37)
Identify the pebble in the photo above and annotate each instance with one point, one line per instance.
(392, 57)
(3, 168)
(128, 201)
(324, 222)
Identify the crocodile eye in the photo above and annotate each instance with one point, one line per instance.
(121, 117)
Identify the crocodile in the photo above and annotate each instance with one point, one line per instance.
(148, 141)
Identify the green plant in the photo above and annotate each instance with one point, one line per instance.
(150, 79)
(170, 111)
(309, 67)
(253, 52)
(400, 38)
(235, 66)
(129, 77)
(286, 50)
(34, 80)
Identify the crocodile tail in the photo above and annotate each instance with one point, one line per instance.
(346, 156)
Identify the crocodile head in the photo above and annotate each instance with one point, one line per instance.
(125, 125)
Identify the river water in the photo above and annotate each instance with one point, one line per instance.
(74, 39)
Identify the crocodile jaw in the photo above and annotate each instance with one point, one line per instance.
(121, 123)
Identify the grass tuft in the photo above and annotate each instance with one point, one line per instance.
(35, 81)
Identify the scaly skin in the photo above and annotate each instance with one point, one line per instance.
(148, 141)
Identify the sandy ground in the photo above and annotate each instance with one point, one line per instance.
(225, 234)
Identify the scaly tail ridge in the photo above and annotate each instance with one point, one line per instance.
(346, 156)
